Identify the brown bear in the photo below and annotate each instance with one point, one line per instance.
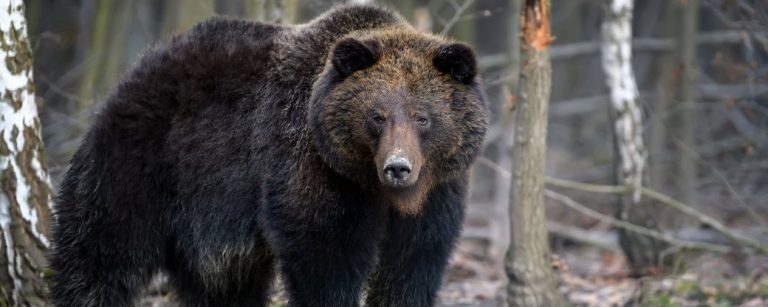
(335, 152)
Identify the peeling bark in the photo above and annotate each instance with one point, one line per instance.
(531, 280)
(642, 251)
(535, 25)
(25, 194)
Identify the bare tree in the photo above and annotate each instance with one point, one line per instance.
(505, 142)
(531, 280)
(279, 11)
(103, 48)
(180, 15)
(642, 251)
(685, 188)
(25, 197)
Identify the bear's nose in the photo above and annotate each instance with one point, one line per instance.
(397, 170)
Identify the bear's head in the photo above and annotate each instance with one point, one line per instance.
(399, 112)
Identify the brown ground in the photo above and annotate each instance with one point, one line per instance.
(591, 276)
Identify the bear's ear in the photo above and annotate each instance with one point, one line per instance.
(457, 60)
(351, 55)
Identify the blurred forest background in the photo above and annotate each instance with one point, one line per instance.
(701, 69)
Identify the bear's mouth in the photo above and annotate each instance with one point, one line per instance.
(407, 199)
(404, 182)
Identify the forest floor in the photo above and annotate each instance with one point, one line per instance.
(591, 276)
(588, 275)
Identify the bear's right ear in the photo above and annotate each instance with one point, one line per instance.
(351, 55)
(457, 60)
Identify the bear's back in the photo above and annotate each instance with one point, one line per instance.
(224, 91)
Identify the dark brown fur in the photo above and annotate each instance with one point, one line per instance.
(404, 77)
(239, 148)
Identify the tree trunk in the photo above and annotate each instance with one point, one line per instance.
(642, 251)
(508, 98)
(107, 50)
(95, 55)
(271, 10)
(290, 14)
(684, 129)
(26, 194)
(531, 280)
(181, 15)
(664, 72)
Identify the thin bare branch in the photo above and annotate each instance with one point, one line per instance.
(456, 16)
(664, 199)
(565, 200)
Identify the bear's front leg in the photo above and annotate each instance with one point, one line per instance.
(416, 250)
(325, 247)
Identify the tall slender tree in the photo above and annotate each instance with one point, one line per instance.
(642, 251)
(531, 280)
(24, 188)
(505, 142)
(281, 11)
(683, 135)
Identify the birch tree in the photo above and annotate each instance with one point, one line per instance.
(642, 251)
(26, 194)
(531, 280)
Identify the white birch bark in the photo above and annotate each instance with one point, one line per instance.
(642, 252)
(25, 195)
(628, 121)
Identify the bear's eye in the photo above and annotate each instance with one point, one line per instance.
(377, 118)
(421, 120)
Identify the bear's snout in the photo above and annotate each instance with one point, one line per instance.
(397, 170)
(399, 158)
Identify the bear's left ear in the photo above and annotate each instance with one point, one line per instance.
(351, 55)
(457, 60)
